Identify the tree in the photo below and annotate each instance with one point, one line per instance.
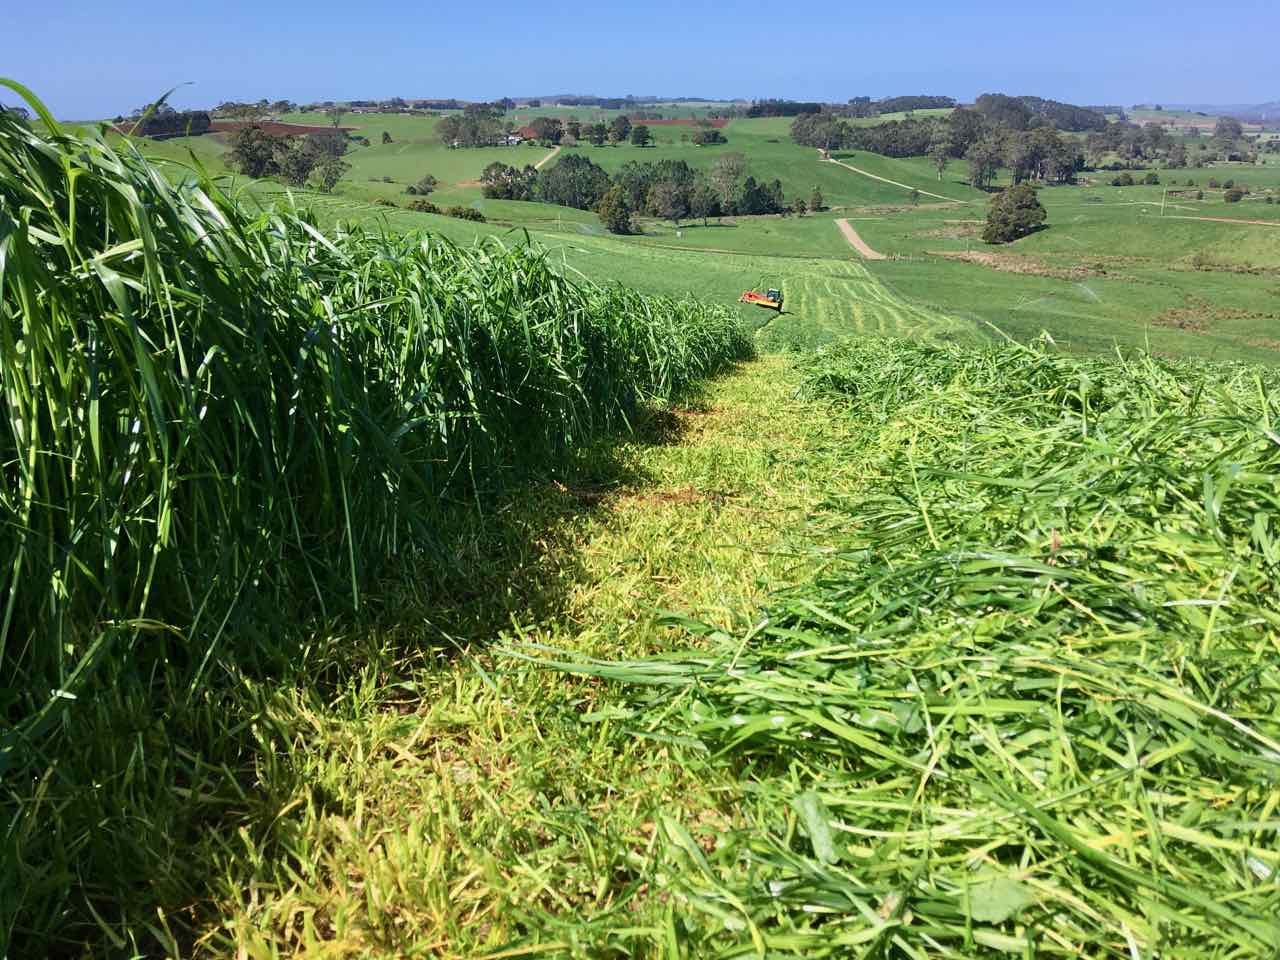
(547, 129)
(984, 160)
(614, 210)
(294, 162)
(1014, 213)
(1228, 130)
(940, 154)
(620, 129)
(573, 128)
(726, 177)
(574, 181)
(253, 152)
(1151, 179)
(424, 187)
(799, 207)
(330, 143)
(503, 182)
(386, 137)
(703, 200)
(709, 136)
(817, 201)
(640, 135)
(597, 133)
(335, 113)
(666, 200)
(329, 171)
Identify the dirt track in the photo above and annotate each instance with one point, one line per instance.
(857, 242)
(547, 158)
(904, 186)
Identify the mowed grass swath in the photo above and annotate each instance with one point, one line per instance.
(211, 414)
(1030, 702)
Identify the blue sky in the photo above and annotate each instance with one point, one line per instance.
(92, 59)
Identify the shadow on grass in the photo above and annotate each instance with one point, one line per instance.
(161, 785)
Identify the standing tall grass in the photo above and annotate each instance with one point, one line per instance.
(207, 412)
(1030, 702)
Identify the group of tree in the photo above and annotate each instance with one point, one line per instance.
(315, 158)
(782, 108)
(667, 189)
(1022, 113)
(866, 107)
(479, 125)
(1031, 149)
(252, 111)
(161, 120)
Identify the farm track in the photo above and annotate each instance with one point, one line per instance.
(548, 158)
(857, 242)
(896, 183)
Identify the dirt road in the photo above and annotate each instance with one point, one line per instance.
(857, 242)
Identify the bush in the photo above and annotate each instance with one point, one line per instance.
(1271, 199)
(1151, 179)
(706, 137)
(423, 206)
(384, 202)
(1014, 213)
(465, 213)
(424, 187)
(1199, 194)
(1234, 195)
(1124, 180)
(1213, 183)
(1228, 184)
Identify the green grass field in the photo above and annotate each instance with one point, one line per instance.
(493, 614)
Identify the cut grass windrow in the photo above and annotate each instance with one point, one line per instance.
(1031, 701)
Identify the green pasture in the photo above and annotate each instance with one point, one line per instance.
(1122, 261)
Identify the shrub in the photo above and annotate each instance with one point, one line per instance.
(1234, 195)
(1124, 180)
(1199, 194)
(465, 213)
(384, 202)
(1228, 184)
(423, 206)
(1151, 179)
(1213, 183)
(707, 137)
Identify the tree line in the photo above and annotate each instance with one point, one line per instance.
(667, 189)
(161, 120)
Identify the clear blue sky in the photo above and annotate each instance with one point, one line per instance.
(92, 59)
